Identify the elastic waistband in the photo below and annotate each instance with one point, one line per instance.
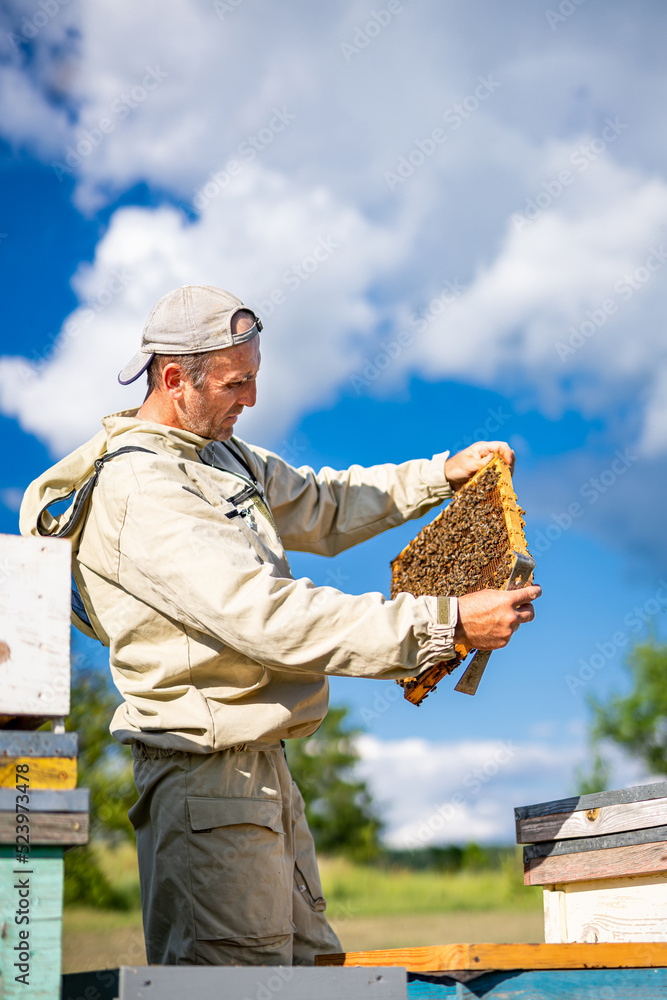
(142, 751)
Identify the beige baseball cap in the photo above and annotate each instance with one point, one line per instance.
(189, 320)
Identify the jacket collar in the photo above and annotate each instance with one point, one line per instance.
(157, 437)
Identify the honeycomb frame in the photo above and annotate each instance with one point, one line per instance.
(471, 545)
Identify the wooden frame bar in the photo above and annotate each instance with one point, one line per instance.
(499, 957)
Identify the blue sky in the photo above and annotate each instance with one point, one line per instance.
(453, 220)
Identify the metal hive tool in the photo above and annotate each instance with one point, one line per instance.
(476, 543)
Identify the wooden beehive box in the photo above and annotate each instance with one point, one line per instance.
(471, 545)
(35, 576)
(602, 860)
(41, 810)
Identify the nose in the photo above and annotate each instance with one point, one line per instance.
(248, 396)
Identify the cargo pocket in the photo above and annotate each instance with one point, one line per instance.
(306, 873)
(239, 875)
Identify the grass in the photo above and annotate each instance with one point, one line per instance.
(364, 890)
(354, 890)
(369, 907)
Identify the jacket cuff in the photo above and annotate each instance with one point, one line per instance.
(439, 646)
(435, 478)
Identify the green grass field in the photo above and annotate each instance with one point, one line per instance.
(369, 907)
(354, 890)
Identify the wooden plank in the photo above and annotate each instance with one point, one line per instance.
(48, 828)
(552, 848)
(566, 984)
(627, 909)
(555, 916)
(41, 883)
(42, 772)
(494, 957)
(34, 626)
(593, 822)
(635, 793)
(237, 983)
(14, 743)
(48, 800)
(642, 859)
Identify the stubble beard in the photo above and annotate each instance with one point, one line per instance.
(199, 420)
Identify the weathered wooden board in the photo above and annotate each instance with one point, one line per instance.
(627, 909)
(41, 882)
(495, 957)
(565, 984)
(41, 772)
(65, 829)
(49, 800)
(642, 859)
(35, 592)
(635, 793)
(593, 822)
(551, 848)
(236, 983)
(55, 816)
(15, 743)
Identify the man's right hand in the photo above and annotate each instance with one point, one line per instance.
(489, 618)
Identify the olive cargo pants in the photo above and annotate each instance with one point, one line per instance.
(226, 860)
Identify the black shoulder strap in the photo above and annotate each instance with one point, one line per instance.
(83, 495)
(241, 460)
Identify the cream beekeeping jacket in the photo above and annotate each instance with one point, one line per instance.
(212, 641)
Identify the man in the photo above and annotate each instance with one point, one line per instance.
(179, 534)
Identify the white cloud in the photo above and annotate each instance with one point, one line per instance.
(455, 792)
(654, 437)
(261, 236)
(577, 291)
(180, 90)
(11, 497)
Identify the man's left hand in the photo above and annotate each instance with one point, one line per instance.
(462, 466)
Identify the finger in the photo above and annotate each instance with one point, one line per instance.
(525, 613)
(526, 594)
(503, 449)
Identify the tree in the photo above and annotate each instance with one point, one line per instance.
(638, 721)
(339, 807)
(105, 768)
(596, 776)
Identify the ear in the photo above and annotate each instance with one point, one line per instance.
(173, 380)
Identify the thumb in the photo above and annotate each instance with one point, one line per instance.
(526, 594)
